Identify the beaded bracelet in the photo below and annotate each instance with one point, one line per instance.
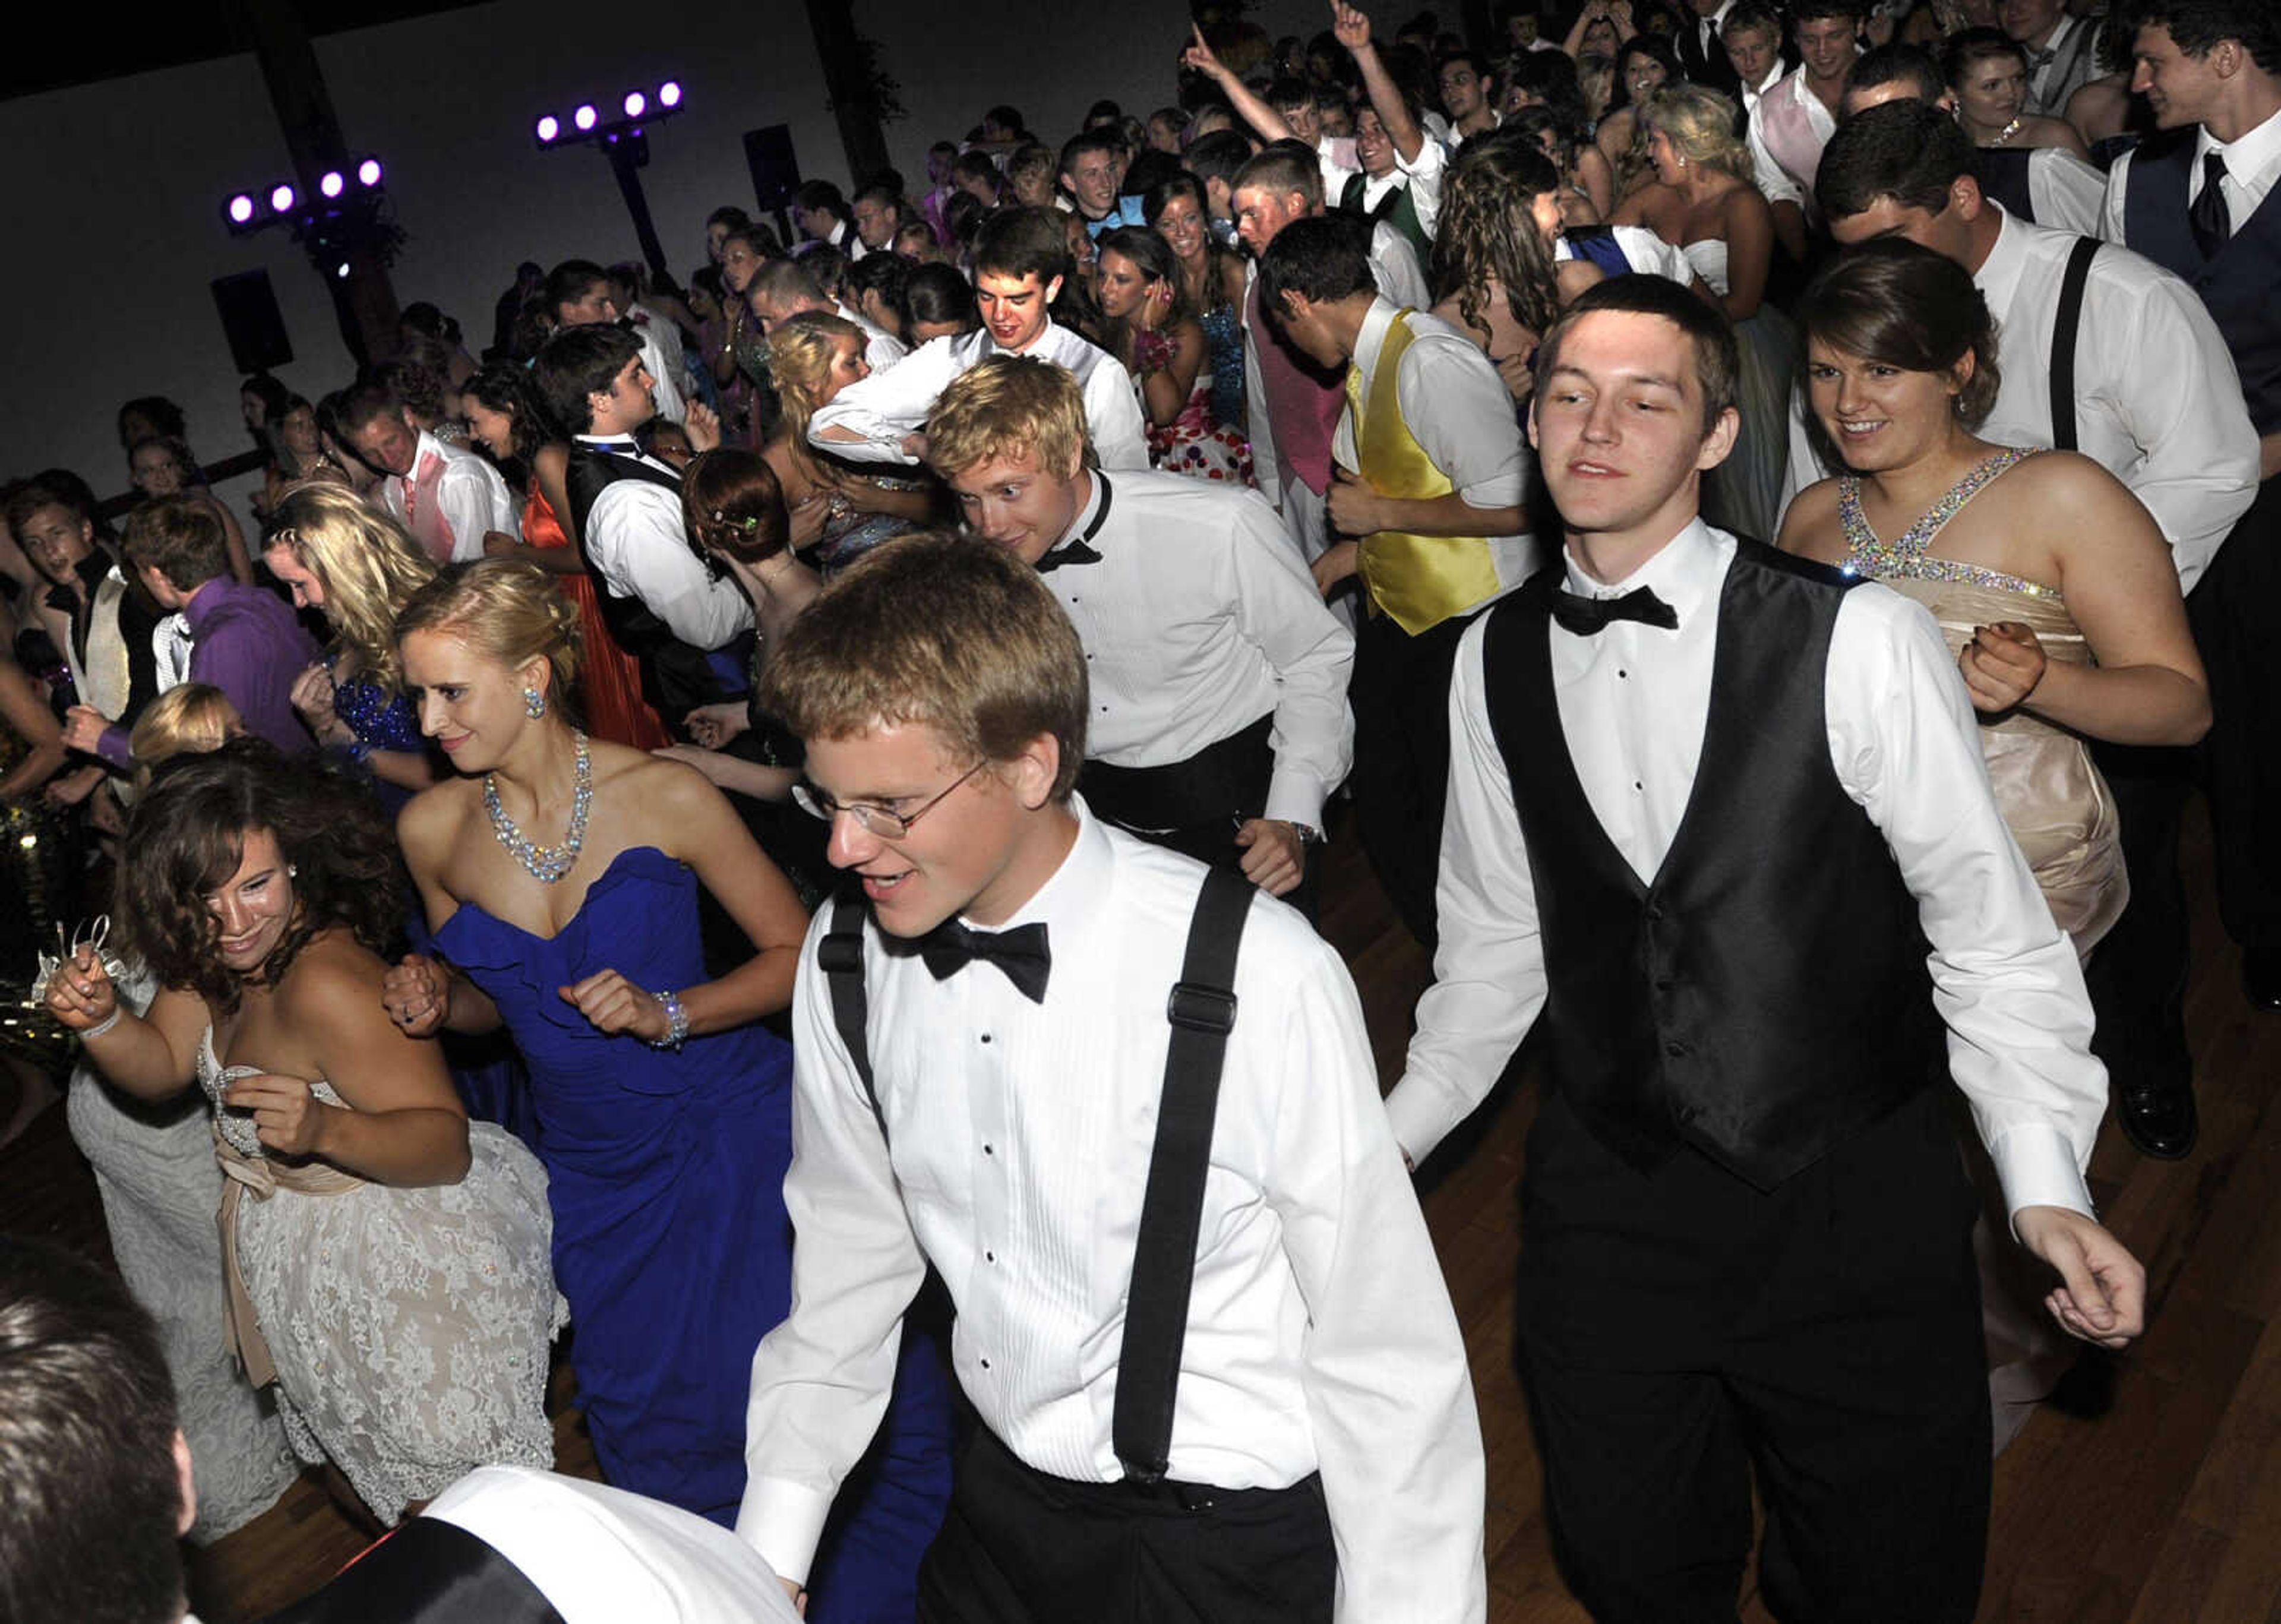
(676, 1022)
(102, 1025)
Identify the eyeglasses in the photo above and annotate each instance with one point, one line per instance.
(871, 819)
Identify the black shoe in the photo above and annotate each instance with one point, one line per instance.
(2157, 1115)
(2261, 976)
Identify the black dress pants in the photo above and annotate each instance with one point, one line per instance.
(1678, 1327)
(1400, 692)
(1020, 1547)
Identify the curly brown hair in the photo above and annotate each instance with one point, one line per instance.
(1487, 236)
(188, 836)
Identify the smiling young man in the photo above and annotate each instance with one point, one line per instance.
(660, 603)
(1302, 1446)
(1090, 172)
(1792, 123)
(1020, 258)
(2203, 198)
(447, 497)
(1219, 723)
(2062, 49)
(1707, 805)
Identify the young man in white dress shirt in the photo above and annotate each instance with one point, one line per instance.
(579, 295)
(782, 289)
(2178, 434)
(2062, 51)
(662, 604)
(447, 497)
(1218, 724)
(1020, 258)
(1791, 123)
(1707, 803)
(1431, 476)
(1319, 1453)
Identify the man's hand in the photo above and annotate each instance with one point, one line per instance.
(1352, 505)
(715, 725)
(72, 788)
(1349, 27)
(1200, 55)
(798, 1596)
(1518, 372)
(1274, 857)
(498, 544)
(2103, 1296)
(1338, 562)
(702, 424)
(83, 726)
(2001, 665)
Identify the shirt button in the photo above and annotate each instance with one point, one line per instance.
(1636, 784)
(986, 1364)
(990, 1257)
(1674, 1048)
(990, 1150)
(1621, 672)
(1655, 910)
(986, 1036)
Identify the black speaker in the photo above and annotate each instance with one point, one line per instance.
(250, 320)
(776, 172)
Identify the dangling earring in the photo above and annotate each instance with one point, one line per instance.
(534, 703)
(292, 870)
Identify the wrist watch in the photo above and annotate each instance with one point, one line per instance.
(1310, 837)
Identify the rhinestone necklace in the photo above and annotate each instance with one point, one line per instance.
(546, 863)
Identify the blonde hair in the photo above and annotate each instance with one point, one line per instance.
(1007, 407)
(507, 609)
(801, 351)
(189, 718)
(991, 662)
(1701, 125)
(365, 564)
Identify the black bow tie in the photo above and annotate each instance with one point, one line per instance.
(1074, 550)
(1021, 953)
(1589, 616)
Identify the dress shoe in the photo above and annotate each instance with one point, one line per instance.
(2158, 1115)
(2261, 976)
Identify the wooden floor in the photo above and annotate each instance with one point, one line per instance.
(2162, 1501)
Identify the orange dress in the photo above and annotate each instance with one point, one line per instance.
(609, 680)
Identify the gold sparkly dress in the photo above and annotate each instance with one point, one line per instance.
(2057, 804)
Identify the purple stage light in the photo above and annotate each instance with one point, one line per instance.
(636, 103)
(584, 117)
(281, 199)
(669, 93)
(549, 127)
(368, 172)
(331, 184)
(241, 208)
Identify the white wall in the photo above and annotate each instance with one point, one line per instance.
(115, 189)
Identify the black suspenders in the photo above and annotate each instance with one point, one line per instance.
(2064, 333)
(1201, 1011)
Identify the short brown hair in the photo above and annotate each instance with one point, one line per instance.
(1717, 356)
(940, 631)
(1005, 407)
(180, 539)
(1902, 305)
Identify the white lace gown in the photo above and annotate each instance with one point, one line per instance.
(410, 1327)
(154, 1167)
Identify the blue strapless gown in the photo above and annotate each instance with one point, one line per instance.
(666, 1174)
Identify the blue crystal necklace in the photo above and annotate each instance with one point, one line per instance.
(546, 863)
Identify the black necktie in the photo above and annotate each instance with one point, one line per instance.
(1074, 550)
(1589, 616)
(2212, 221)
(1021, 953)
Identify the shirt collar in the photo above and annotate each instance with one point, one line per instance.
(1073, 894)
(1089, 519)
(1683, 572)
(2255, 152)
(625, 444)
(1998, 275)
(207, 599)
(1370, 342)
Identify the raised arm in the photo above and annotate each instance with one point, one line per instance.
(1352, 29)
(1253, 111)
(153, 1055)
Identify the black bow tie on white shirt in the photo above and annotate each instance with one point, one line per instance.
(1021, 953)
(1074, 550)
(1589, 616)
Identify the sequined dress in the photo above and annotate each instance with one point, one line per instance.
(1224, 338)
(410, 1326)
(2059, 808)
(381, 719)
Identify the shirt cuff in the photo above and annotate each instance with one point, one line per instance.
(1418, 1111)
(1296, 798)
(783, 1522)
(112, 748)
(2037, 1166)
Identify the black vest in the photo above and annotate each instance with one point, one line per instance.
(2238, 285)
(1767, 994)
(2003, 173)
(676, 679)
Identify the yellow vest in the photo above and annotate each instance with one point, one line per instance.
(1419, 580)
